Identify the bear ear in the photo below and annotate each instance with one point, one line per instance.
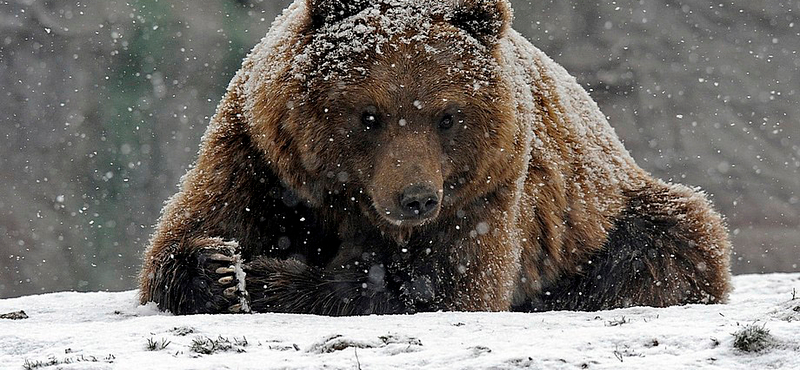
(486, 20)
(324, 12)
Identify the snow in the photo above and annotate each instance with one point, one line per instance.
(109, 331)
(381, 25)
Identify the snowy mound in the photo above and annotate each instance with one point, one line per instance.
(109, 331)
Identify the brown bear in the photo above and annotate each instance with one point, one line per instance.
(395, 156)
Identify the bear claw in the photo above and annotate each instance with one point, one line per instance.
(225, 270)
(221, 257)
(226, 280)
(230, 292)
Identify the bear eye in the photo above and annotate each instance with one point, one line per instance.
(369, 118)
(446, 122)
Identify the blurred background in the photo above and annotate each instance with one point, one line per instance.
(103, 103)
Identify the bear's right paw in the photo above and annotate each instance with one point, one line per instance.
(222, 276)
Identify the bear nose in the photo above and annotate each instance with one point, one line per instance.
(419, 201)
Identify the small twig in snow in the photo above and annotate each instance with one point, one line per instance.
(618, 322)
(618, 354)
(358, 363)
(18, 315)
(208, 346)
(53, 361)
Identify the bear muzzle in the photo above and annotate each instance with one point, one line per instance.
(414, 205)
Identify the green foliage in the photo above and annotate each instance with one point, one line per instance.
(148, 70)
(104, 113)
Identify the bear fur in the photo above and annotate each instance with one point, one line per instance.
(393, 156)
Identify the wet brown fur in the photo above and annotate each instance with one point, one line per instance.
(285, 172)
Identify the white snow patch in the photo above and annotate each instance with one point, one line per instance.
(383, 25)
(241, 283)
(111, 329)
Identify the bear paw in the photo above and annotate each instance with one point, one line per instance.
(221, 265)
(285, 285)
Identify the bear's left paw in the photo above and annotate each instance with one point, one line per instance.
(223, 265)
(284, 285)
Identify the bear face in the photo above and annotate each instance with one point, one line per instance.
(411, 116)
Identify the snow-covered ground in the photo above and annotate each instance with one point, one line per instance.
(109, 331)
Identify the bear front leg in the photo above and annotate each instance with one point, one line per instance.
(668, 247)
(205, 276)
(290, 286)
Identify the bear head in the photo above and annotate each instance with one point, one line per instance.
(400, 106)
